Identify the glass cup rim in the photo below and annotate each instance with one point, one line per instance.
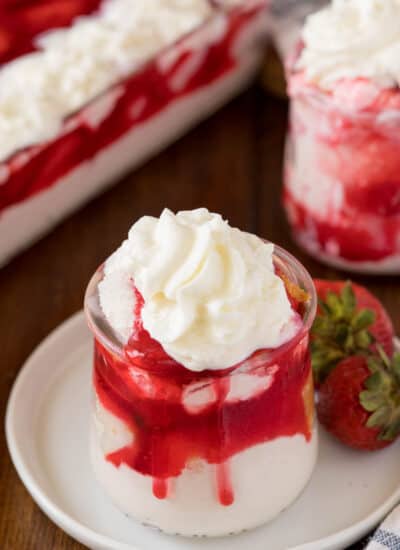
(109, 340)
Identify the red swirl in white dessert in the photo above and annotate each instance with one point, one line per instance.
(342, 173)
(22, 21)
(176, 415)
(186, 66)
(185, 445)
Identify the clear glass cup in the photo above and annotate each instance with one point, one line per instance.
(202, 453)
(342, 177)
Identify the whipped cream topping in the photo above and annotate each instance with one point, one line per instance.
(353, 39)
(73, 65)
(211, 294)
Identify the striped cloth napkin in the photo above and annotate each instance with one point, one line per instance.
(387, 536)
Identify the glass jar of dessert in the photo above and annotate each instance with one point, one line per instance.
(203, 409)
(342, 171)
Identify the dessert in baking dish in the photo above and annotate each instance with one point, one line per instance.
(342, 173)
(89, 88)
(203, 411)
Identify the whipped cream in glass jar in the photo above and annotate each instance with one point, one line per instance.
(342, 171)
(203, 411)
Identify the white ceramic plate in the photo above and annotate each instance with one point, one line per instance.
(47, 432)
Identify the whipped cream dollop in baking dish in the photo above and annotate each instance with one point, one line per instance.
(211, 294)
(353, 39)
(73, 65)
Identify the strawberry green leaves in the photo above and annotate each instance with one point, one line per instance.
(339, 330)
(381, 397)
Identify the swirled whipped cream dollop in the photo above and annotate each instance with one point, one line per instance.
(211, 294)
(353, 39)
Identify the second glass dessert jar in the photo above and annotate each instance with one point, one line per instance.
(342, 174)
(203, 453)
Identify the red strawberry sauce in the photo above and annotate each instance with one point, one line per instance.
(21, 21)
(358, 238)
(140, 97)
(351, 138)
(147, 390)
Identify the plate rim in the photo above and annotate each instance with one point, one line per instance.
(89, 536)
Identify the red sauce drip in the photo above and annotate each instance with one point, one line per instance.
(160, 488)
(142, 96)
(224, 485)
(153, 396)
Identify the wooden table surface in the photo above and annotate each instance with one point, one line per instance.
(231, 164)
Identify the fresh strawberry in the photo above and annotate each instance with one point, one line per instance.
(359, 402)
(350, 321)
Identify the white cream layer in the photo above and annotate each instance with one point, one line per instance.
(352, 39)
(75, 64)
(266, 479)
(211, 295)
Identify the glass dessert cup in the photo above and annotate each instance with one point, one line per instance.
(202, 453)
(342, 175)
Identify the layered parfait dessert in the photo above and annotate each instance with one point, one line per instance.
(90, 88)
(342, 175)
(203, 412)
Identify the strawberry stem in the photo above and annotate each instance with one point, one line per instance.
(339, 330)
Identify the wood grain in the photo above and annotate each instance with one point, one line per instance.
(230, 164)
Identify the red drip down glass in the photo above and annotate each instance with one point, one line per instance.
(202, 453)
(342, 173)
